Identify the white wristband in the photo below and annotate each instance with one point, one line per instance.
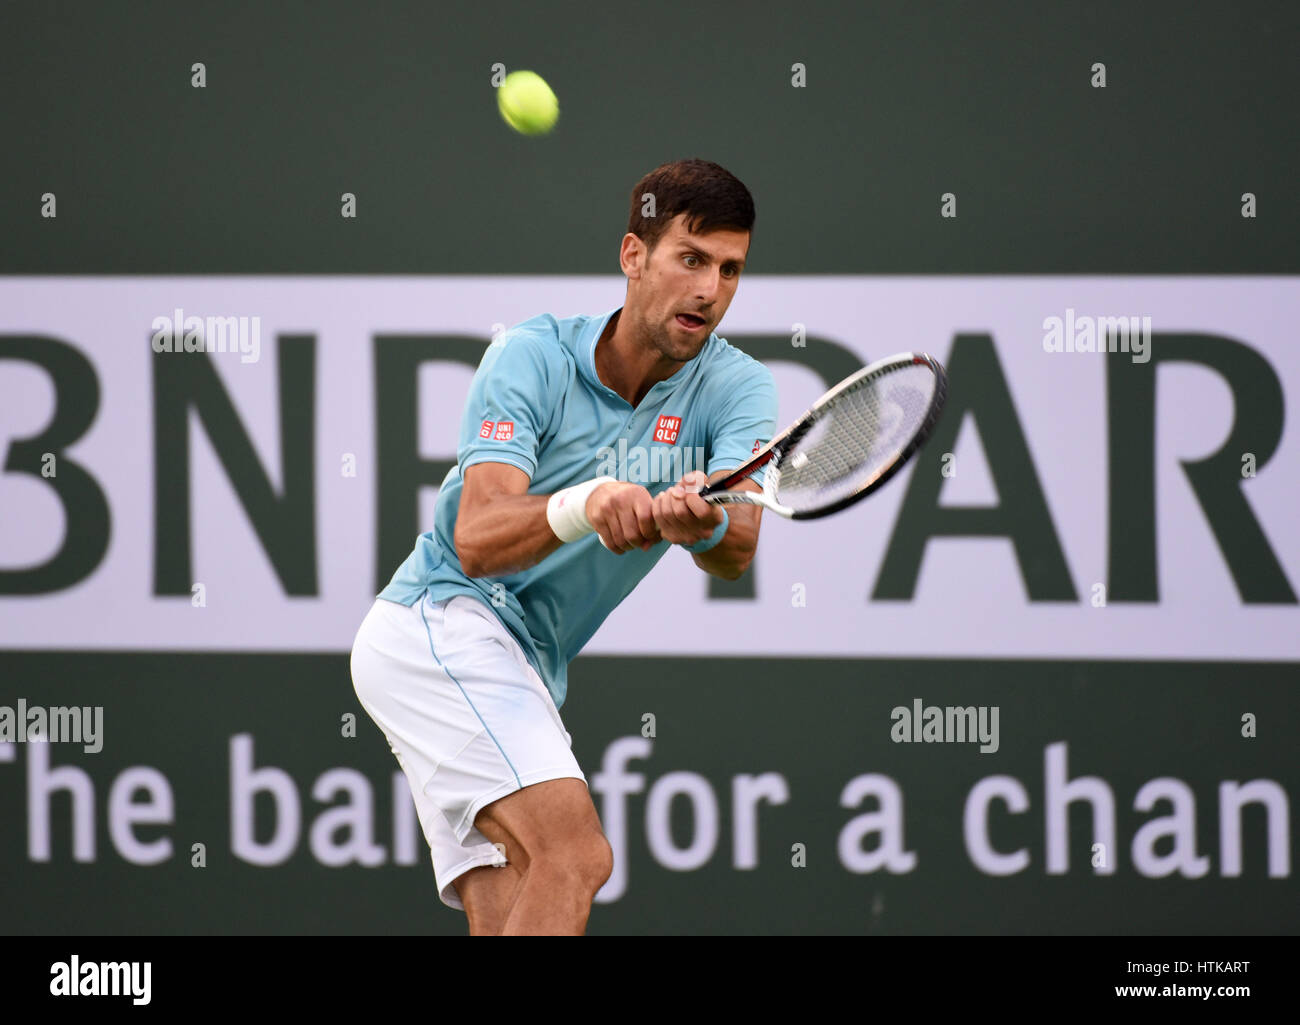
(566, 511)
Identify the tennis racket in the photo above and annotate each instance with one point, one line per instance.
(853, 439)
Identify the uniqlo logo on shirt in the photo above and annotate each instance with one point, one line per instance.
(667, 428)
(486, 430)
(505, 430)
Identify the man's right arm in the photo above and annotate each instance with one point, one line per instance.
(501, 529)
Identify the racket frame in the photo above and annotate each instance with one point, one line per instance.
(720, 493)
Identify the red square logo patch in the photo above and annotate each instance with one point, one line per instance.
(667, 428)
(505, 430)
(486, 430)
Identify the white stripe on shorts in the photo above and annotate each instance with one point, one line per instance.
(466, 714)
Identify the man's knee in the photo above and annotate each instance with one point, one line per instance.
(552, 829)
(584, 863)
(598, 861)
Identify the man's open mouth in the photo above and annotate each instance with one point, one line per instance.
(690, 320)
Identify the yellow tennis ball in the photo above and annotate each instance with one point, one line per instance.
(527, 103)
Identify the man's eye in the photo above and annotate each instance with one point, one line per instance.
(689, 257)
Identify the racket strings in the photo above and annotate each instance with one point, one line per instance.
(860, 432)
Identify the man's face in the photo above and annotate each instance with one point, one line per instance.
(685, 287)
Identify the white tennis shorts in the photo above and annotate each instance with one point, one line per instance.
(467, 716)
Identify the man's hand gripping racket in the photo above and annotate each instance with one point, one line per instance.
(848, 444)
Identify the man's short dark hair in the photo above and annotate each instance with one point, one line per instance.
(710, 196)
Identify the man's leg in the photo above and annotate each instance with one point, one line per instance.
(399, 692)
(464, 726)
(488, 894)
(552, 834)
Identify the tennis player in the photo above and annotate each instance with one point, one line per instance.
(462, 660)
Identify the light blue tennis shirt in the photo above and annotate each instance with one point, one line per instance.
(536, 402)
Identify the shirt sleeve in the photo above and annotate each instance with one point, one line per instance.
(508, 406)
(745, 421)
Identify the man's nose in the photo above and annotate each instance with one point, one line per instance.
(707, 288)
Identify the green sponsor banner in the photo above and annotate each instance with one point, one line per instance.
(989, 138)
(740, 796)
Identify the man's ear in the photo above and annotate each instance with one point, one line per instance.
(632, 256)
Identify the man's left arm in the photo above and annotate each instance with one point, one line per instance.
(686, 519)
(742, 421)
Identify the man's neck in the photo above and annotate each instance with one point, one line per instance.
(626, 366)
